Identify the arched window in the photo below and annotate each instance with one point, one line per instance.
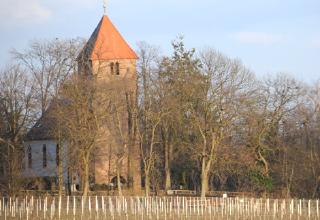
(29, 151)
(1, 168)
(57, 154)
(44, 156)
(117, 68)
(112, 68)
(114, 181)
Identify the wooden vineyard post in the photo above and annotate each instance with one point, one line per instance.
(74, 206)
(67, 205)
(309, 211)
(89, 206)
(317, 204)
(97, 206)
(82, 206)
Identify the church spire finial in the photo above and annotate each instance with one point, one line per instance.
(105, 7)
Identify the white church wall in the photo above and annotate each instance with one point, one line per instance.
(37, 169)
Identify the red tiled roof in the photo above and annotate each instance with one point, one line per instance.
(106, 43)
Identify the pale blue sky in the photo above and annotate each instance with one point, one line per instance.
(269, 36)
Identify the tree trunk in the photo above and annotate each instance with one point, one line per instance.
(60, 179)
(168, 179)
(130, 108)
(147, 183)
(167, 168)
(136, 167)
(316, 186)
(264, 161)
(119, 179)
(60, 171)
(129, 175)
(59, 158)
(9, 170)
(204, 179)
(86, 177)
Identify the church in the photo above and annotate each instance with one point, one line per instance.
(105, 56)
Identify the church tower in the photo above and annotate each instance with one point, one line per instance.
(107, 54)
(107, 57)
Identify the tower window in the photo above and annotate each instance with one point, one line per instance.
(57, 154)
(112, 68)
(29, 151)
(44, 156)
(117, 68)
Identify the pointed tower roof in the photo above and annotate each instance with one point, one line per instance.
(106, 43)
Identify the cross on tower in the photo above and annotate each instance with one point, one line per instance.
(105, 7)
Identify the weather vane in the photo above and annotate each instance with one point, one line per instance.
(105, 7)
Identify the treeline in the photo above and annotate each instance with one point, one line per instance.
(202, 120)
(218, 127)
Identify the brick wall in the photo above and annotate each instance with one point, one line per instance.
(109, 146)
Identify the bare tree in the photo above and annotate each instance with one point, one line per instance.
(149, 139)
(307, 116)
(121, 133)
(275, 99)
(82, 120)
(227, 83)
(147, 127)
(16, 106)
(49, 62)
